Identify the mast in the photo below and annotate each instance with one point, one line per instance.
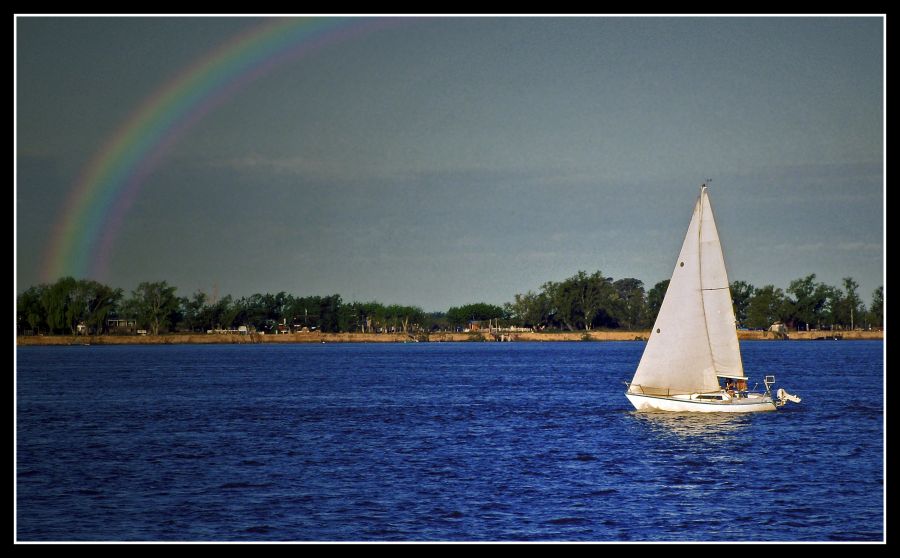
(703, 194)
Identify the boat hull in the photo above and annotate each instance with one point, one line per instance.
(678, 405)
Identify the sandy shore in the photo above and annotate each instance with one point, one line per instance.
(200, 339)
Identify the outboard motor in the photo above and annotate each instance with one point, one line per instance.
(784, 397)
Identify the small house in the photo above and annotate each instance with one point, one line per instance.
(118, 326)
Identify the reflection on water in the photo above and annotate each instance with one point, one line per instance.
(690, 425)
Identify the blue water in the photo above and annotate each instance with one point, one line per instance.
(447, 442)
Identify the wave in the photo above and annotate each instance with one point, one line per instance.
(243, 485)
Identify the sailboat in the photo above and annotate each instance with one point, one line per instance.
(692, 361)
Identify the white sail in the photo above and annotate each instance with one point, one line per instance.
(694, 338)
(717, 304)
(678, 358)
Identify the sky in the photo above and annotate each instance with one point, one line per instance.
(440, 161)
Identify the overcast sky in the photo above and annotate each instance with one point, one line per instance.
(444, 161)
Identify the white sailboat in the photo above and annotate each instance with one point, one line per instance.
(692, 361)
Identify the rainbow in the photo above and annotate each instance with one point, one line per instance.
(82, 240)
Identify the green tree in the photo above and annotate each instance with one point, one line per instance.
(876, 309)
(403, 318)
(277, 306)
(55, 300)
(154, 304)
(567, 297)
(847, 308)
(256, 311)
(363, 316)
(325, 313)
(330, 313)
(461, 316)
(435, 321)
(741, 294)
(582, 300)
(767, 306)
(225, 313)
(30, 313)
(809, 305)
(555, 317)
(655, 298)
(530, 309)
(192, 309)
(91, 302)
(632, 307)
(596, 299)
(393, 318)
(413, 318)
(264, 311)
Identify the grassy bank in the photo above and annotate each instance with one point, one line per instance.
(202, 339)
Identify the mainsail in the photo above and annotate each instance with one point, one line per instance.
(694, 337)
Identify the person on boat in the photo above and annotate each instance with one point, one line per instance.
(729, 387)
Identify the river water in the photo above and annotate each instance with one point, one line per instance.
(437, 442)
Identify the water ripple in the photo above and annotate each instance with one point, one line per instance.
(456, 442)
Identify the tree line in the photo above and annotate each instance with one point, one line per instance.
(585, 302)
(580, 302)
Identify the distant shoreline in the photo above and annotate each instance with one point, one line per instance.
(478, 336)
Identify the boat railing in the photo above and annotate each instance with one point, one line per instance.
(649, 390)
